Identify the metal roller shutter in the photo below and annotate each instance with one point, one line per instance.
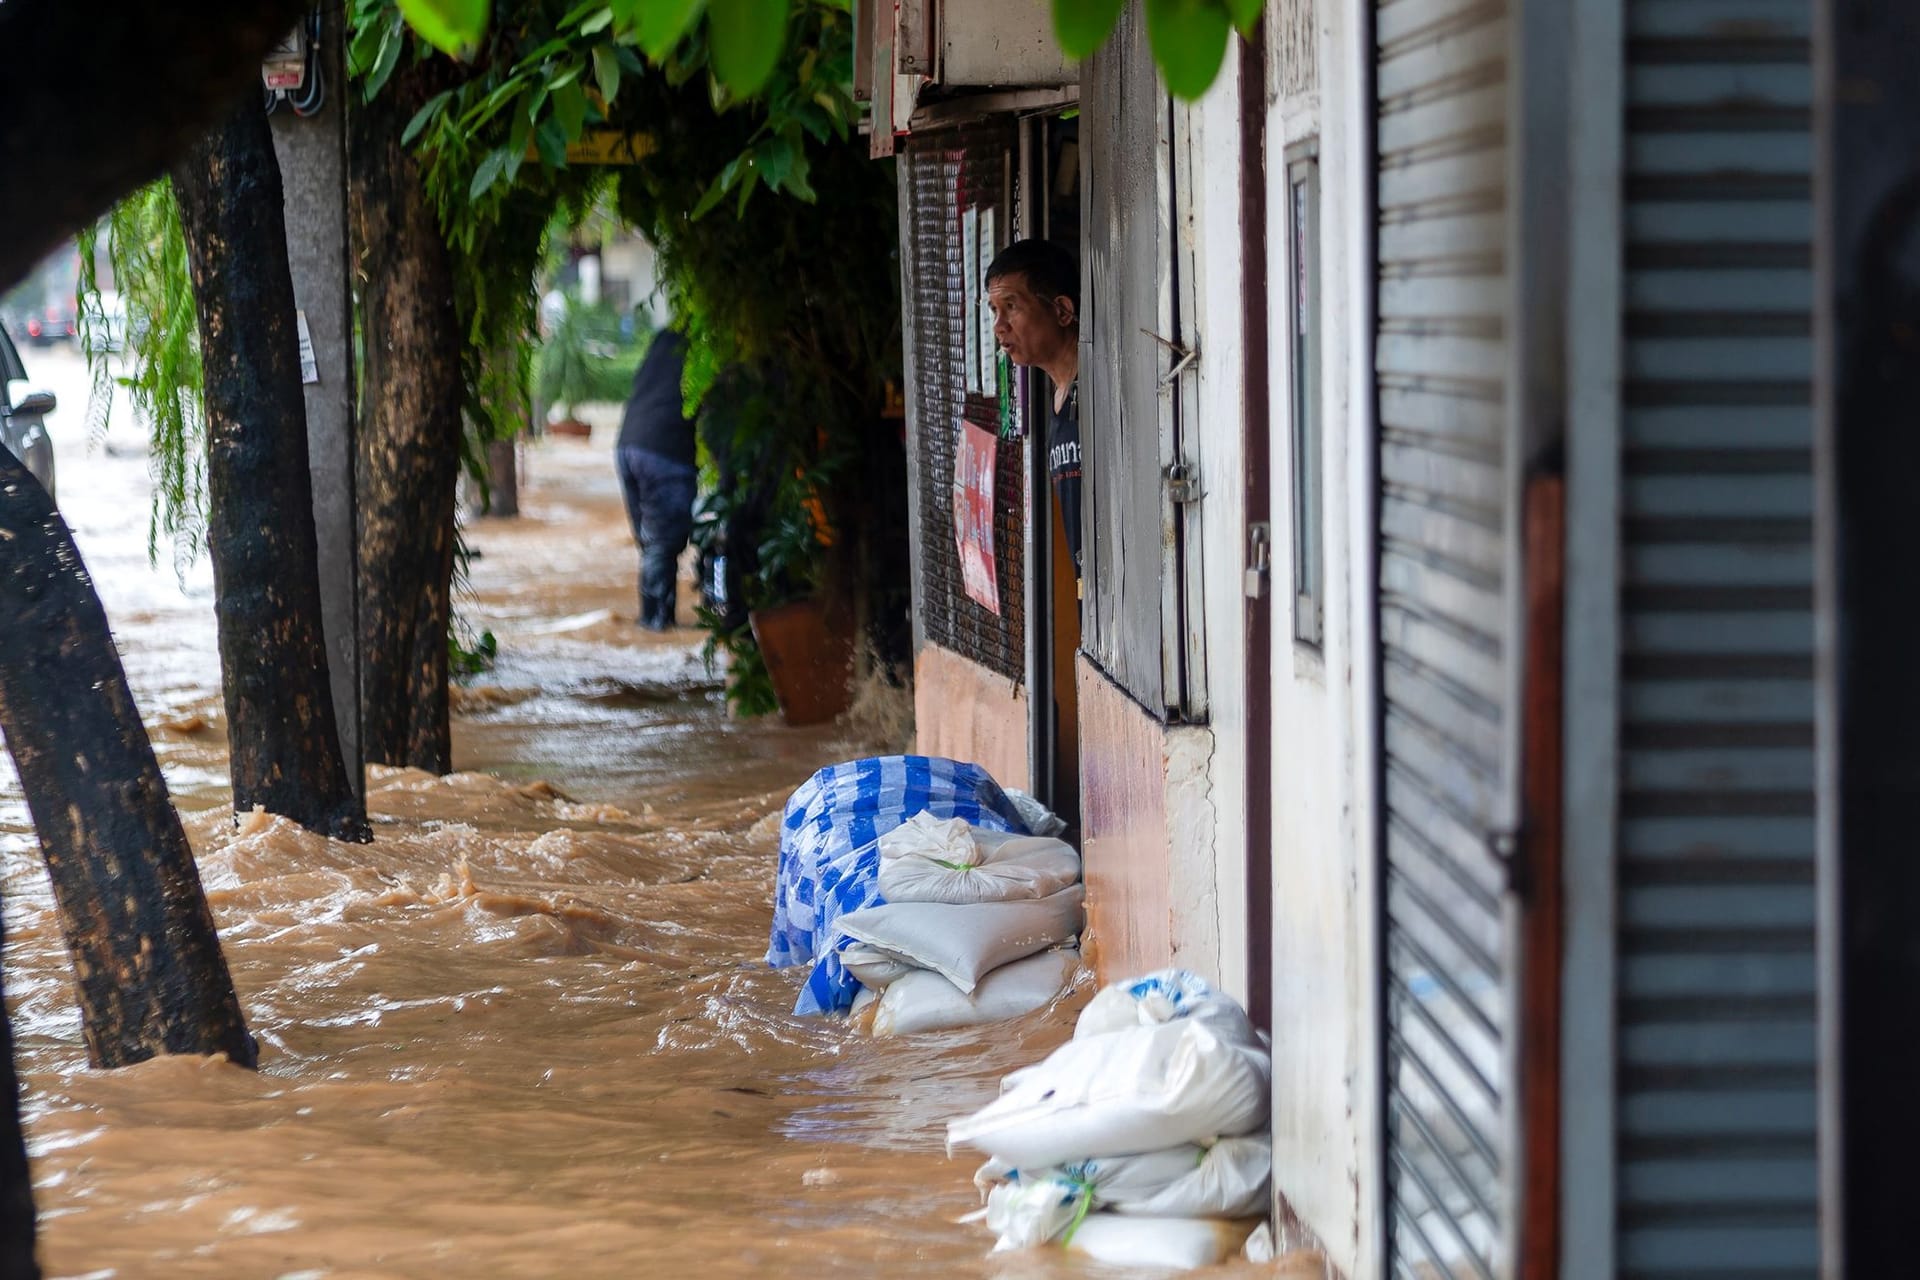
(945, 174)
(1717, 1043)
(1441, 365)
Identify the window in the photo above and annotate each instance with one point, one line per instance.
(1303, 376)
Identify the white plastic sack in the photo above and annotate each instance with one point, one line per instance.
(988, 866)
(924, 1001)
(930, 837)
(964, 943)
(1165, 996)
(1037, 818)
(873, 968)
(1230, 1179)
(1123, 1092)
(1175, 1243)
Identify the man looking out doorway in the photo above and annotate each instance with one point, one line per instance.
(1033, 287)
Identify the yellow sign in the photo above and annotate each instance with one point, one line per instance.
(605, 146)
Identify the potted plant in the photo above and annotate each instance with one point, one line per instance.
(806, 645)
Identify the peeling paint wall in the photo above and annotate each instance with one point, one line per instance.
(966, 712)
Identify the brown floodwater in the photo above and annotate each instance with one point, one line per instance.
(528, 1030)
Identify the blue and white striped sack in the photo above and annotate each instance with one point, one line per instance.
(829, 855)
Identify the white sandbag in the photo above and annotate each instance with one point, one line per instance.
(1028, 1207)
(1164, 996)
(1123, 1092)
(964, 943)
(926, 836)
(1230, 1179)
(863, 1001)
(1175, 1243)
(873, 968)
(993, 867)
(922, 1000)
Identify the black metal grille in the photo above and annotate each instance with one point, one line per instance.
(945, 174)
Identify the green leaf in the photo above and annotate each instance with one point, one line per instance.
(598, 22)
(570, 109)
(1081, 26)
(390, 45)
(424, 114)
(747, 186)
(551, 141)
(1244, 13)
(1189, 39)
(708, 201)
(744, 39)
(662, 24)
(773, 160)
(451, 26)
(606, 71)
(488, 173)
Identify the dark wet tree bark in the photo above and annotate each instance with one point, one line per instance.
(98, 98)
(283, 739)
(16, 1185)
(409, 436)
(146, 958)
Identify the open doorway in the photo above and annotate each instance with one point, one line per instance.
(1050, 162)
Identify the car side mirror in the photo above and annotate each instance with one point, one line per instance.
(36, 404)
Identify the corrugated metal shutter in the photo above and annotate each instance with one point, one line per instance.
(1444, 507)
(1716, 981)
(944, 174)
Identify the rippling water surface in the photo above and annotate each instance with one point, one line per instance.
(527, 1031)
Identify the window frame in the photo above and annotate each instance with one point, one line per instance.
(1305, 424)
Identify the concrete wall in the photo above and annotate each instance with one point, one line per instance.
(966, 712)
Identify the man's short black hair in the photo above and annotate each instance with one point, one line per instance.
(1050, 270)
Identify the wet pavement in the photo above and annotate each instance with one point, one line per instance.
(527, 1031)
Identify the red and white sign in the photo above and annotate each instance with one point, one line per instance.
(973, 514)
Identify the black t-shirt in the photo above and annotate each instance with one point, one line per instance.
(1063, 466)
(653, 419)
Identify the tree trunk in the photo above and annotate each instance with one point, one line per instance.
(282, 736)
(16, 1183)
(503, 480)
(145, 955)
(98, 98)
(409, 437)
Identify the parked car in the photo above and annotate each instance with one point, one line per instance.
(23, 426)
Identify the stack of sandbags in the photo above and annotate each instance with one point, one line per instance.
(969, 929)
(1141, 1139)
(829, 851)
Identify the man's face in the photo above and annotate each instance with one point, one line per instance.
(1032, 330)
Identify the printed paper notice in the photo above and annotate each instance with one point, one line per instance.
(309, 363)
(989, 379)
(973, 514)
(970, 287)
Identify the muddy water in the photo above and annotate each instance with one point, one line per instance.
(527, 1031)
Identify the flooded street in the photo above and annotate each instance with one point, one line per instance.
(528, 1031)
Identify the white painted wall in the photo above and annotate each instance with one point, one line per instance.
(1210, 894)
(1325, 1043)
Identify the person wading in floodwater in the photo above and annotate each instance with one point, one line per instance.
(658, 477)
(1033, 287)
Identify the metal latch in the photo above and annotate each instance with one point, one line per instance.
(1259, 552)
(1182, 486)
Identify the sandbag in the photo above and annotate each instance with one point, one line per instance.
(1121, 1093)
(922, 1000)
(1174, 1243)
(926, 860)
(1230, 1179)
(1165, 996)
(964, 943)
(875, 969)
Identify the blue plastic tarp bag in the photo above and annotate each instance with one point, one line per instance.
(829, 855)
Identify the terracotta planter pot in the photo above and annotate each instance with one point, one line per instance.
(809, 657)
(571, 427)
